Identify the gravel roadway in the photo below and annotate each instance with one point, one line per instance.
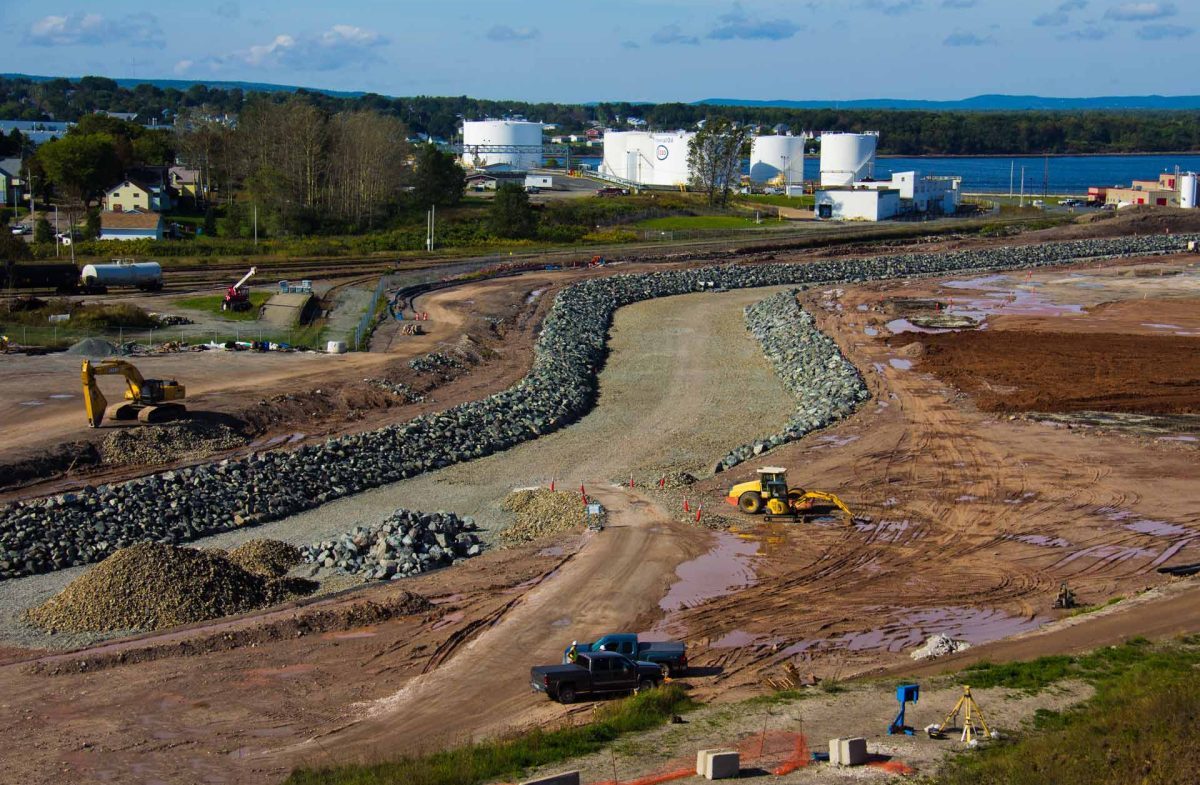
(670, 399)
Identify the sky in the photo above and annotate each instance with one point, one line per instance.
(652, 50)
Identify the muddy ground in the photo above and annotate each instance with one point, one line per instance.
(967, 525)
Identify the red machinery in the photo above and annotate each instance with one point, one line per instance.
(237, 297)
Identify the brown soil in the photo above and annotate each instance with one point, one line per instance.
(1020, 371)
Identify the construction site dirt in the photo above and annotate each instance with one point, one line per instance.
(966, 524)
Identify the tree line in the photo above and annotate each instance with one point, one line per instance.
(903, 132)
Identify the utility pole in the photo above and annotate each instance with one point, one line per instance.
(256, 224)
(1022, 186)
(1046, 178)
(1012, 168)
(57, 232)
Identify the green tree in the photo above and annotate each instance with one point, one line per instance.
(42, 231)
(210, 222)
(438, 178)
(80, 166)
(13, 248)
(715, 157)
(91, 229)
(510, 214)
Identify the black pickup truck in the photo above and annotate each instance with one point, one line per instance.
(594, 673)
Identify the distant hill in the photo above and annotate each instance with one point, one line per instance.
(184, 84)
(985, 103)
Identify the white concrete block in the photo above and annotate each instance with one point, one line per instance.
(566, 778)
(847, 752)
(702, 761)
(722, 765)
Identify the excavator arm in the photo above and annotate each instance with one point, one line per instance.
(93, 399)
(831, 499)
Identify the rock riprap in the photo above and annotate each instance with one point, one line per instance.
(180, 506)
(406, 543)
(827, 387)
(152, 586)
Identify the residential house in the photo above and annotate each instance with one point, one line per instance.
(132, 195)
(131, 226)
(185, 182)
(11, 183)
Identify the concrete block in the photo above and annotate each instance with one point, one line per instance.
(847, 752)
(722, 765)
(566, 778)
(702, 761)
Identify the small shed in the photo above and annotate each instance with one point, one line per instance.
(131, 226)
(539, 181)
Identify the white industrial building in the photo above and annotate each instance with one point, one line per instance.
(644, 158)
(514, 145)
(1187, 190)
(777, 159)
(850, 192)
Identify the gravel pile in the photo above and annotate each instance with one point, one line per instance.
(434, 362)
(540, 512)
(405, 544)
(268, 558)
(398, 389)
(94, 347)
(151, 586)
(826, 385)
(180, 506)
(154, 444)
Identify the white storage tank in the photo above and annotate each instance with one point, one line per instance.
(648, 158)
(774, 157)
(1187, 190)
(847, 158)
(480, 135)
(141, 275)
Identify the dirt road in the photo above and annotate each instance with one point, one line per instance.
(614, 580)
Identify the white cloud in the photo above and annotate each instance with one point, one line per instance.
(338, 47)
(1140, 12)
(95, 30)
(737, 24)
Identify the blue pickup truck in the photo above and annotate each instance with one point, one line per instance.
(669, 656)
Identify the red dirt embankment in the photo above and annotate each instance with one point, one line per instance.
(1019, 370)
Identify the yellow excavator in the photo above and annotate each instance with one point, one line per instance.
(771, 494)
(148, 400)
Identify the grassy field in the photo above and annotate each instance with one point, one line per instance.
(211, 303)
(805, 202)
(511, 758)
(1139, 727)
(680, 223)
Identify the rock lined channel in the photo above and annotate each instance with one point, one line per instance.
(183, 505)
(406, 543)
(826, 385)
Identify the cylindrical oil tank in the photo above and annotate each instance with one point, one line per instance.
(142, 275)
(616, 146)
(774, 157)
(520, 142)
(846, 158)
(1187, 190)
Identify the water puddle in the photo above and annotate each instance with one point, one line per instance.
(871, 331)
(349, 635)
(897, 326)
(62, 396)
(1159, 528)
(900, 364)
(554, 550)
(1178, 439)
(447, 599)
(565, 621)
(1003, 296)
(1155, 326)
(536, 293)
(1040, 540)
(966, 497)
(448, 619)
(32, 403)
(974, 625)
(721, 571)
(885, 531)
(736, 639)
(834, 440)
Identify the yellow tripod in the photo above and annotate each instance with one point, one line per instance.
(972, 715)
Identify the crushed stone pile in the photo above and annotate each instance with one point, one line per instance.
(540, 512)
(155, 444)
(77, 528)
(401, 390)
(406, 543)
(95, 347)
(268, 558)
(939, 646)
(152, 586)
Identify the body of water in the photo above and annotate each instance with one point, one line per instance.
(1060, 175)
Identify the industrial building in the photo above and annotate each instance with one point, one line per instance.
(506, 145)
(1169, 190)
(647, 159)
(777, 160)
(850, 192)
